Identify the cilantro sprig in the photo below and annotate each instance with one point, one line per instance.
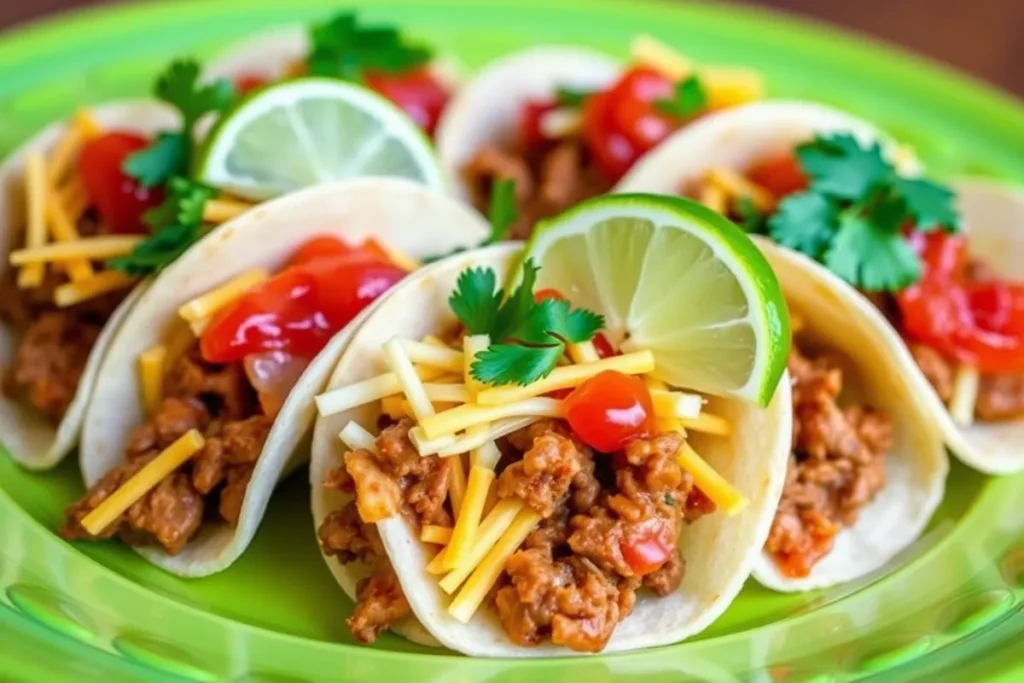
(527, 337)
(688, 99)
(175, 225)
(853, 215)
(342, 48)
(572, 98)
(169, 154)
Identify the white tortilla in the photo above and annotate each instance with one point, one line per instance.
(487, 109)
(720, 550)
(739, 137)
(916, 467)
(399, 213)
(26, 434)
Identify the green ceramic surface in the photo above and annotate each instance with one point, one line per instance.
(952, 605)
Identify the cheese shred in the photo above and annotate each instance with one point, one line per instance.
(73, 293)
(32, 274)
(205, 306)
(98, 248)
(151, 375)
(490, 530)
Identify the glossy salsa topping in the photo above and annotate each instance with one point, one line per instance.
(120, 199)
(299, 309)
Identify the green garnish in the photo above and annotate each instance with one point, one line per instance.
(527, 337)
(341, 48)
(689, 99)
(749, 218)
(176, 225)
(571, 98)
(169, 154)
(670, 499)
(853, 215)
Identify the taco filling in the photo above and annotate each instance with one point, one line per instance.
(898, 240)
(837, 465)
(554, 498)
(79, 209)
(576, 144)
(213, 389)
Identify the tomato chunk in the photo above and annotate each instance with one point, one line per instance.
(120, 199)
(417, 92)
(246, 83)
(298, 310)
(781, 175)
(609, 410)
(612, 151)
(530, 134)
(647, 547)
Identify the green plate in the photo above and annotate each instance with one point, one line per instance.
(953, 605)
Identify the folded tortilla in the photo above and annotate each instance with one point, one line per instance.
(26, 434)
(720, 550)
(397, 213)
(486, 110)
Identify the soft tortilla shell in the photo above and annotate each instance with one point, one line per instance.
(720, 550)
(28, 436)
(399, 213)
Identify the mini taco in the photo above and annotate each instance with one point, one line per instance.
(565, 123)
(226, 349)
(832, 187)
(387, 61)
(516, 508)
(67, 207)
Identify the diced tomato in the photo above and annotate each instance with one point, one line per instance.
(327, 245)
(634, 111)
(781, 175)
(603, 347)
(416, 92)
(273, 375)
(612, 151)
(545, 294)
(980, 324)
(609, 410)
(299, 309)
(120, 199)
(647, 548)
(530, 134)
(246, 83)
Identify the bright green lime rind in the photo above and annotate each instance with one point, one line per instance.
(310, 131)
(677, 279)
(278, 614)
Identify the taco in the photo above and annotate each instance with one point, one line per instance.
(831, 186)
(868, 466)
(227, 348)
(402, 70)
(565, 123)
(550, 518)
(66, 208)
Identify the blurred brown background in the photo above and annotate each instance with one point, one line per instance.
(983, 37)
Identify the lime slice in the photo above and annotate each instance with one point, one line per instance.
(314, 130)
(674, 277)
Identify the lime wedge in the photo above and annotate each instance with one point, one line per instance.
(314, 130)
(676, 278)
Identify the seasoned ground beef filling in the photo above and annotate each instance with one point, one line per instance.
(395, 479)
(53, 344)
(836, 468)
(218, 401)
(548, 180)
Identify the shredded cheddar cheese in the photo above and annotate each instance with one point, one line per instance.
(490, 530)
(457, 485)
(713, 197)
(143, 481)
(467, 415)
(98, 248)
(222, 210)
(205, 306)
(480, 480)
(101, 283)
(151, 375)
(32, 274)
(63, 230)
(657, 55)
(723, 494)
(676, 404)
(433, 356)
(369, 390)
(708, 424)
(437, 535)
(636, 363)
(729, 86)
(560, 123)
(471, 346)
(356, 438)
(583, 353)
(965, 395)
(734, 184)
(74, 199)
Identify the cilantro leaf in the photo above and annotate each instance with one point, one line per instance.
(804, 222)
(930, 204)
(571, 98)
(872, 256)
(839, 167)
(503, 211)
(513, 364)
(750, 219)
(515, 312)
(169, 153)
(155, 253)
(475, 301)
(184, 205)
(555, 321)
(341, 48)
(689, 99)
(164, 158)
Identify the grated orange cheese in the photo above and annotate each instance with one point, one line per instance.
(98, 248)
(32, 274)
(205, 306)
(63, 230)
(151, 376)
(76, 292)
